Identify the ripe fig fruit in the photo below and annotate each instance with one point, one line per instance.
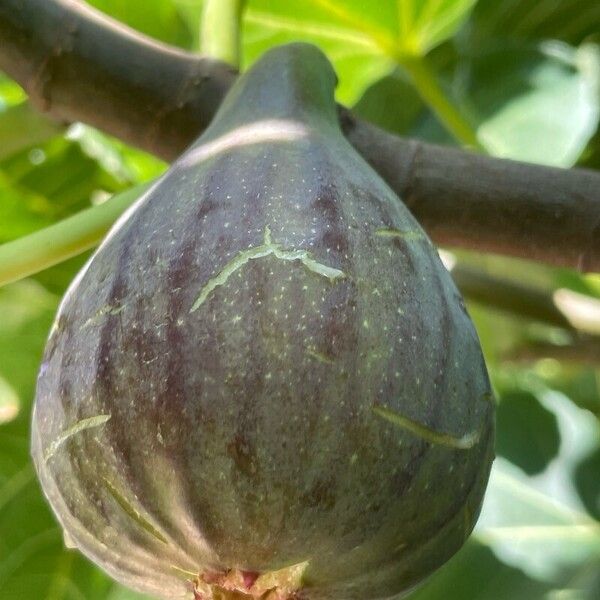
(264, 383)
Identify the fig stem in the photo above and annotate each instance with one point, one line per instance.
(220, 30)
(63, 240)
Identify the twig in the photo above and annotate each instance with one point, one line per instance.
(220, 36)
(63, 240)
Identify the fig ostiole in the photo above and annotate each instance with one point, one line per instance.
(264, 383)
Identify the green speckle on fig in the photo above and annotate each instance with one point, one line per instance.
(264, 383)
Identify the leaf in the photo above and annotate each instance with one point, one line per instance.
(22, 127)
(424, 24)
(53, 181)
(11, 93)
(568, 20)
(9, 402)
(536, 104)
(356, 56)
(126, 164)
(391, 103)
(538, 524)
(159, 19)
(527, 433)
(363, 40)
(476, 574)
(587, 480)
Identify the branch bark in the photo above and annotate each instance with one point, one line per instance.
(78, 65)
(468, 200)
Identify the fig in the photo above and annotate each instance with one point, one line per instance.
(264, 383)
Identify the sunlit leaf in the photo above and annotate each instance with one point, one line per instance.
(159, 19)
(11, 93)
(9, 402)
(424, 24)
(363, 40)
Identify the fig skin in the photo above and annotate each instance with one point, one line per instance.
(264, 367)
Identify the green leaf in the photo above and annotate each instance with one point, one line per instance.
(538, 524)
(527, 433)
(22, 127)
(392, 103)
(11, 93)
(191, 13)
(568, 20)
(587, 480)
(9, 402)
(424, 24)
(126, 164)
(61, 177)
(357, 58)
(363, 40)
(159, 19)
(536, 104)
(476, 574)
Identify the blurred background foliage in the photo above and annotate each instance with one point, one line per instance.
(525, 75)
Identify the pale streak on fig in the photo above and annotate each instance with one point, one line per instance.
(267, 248)
(319, 356)
(78, 427)
(105, 310)
(266, 130)
(466, 442)
(187, 575)
(409, 234)
(132, 512)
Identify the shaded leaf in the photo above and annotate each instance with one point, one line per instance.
(587, 480)
(536, 104)
(569, 20)
(538, 524)
(475, 573)
(527, 433)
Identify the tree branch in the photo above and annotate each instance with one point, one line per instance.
(495, 205)
(509, 296)
(78, 65)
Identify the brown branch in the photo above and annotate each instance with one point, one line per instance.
(478, 202)
(585, 351)
(79, 65)
(518, 299)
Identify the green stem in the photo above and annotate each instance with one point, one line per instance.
(220, 35)
(428, 87)
(63, 240)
